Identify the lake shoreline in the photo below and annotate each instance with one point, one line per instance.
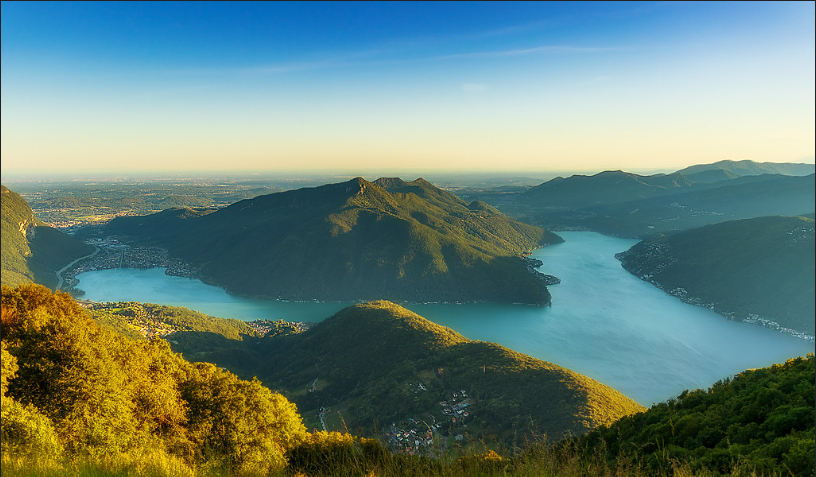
(602, 322)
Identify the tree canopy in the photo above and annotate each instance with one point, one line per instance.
(71, 385)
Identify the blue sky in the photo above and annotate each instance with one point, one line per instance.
(404, 86)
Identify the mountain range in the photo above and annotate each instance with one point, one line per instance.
(355, 240)
(747, 168)
(631, 205)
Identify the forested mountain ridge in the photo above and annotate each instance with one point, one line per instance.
(355, 240)
(760, 268)
(32, 251)
(760, 422)
(625, 204)
(603, 188)
(377, 363)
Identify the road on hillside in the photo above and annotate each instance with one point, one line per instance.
(61, 270)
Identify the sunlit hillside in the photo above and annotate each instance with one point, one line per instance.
(356, 240)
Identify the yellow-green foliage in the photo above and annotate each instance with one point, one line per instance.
(240, 420)
(24, 430)
(479, 464)
(27, 431)
(762, 421)
(123, 316)
(9, 365)
(104, 398)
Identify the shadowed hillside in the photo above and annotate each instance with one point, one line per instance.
(603, 188)
(624, 204)
(355, 240)
(378, 364)
(762, 267)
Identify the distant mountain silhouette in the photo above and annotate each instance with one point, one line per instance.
(603, 188)
(751, 168)
(626, 204)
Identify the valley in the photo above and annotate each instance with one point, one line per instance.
(408, 239)
(421, 401)
(597, 310)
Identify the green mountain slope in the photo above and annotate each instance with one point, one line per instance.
(377, 364)
(636, 206)
(762, 266)
(355, 240)
(709, 175)
(761, 422)
(741, 198)
(139, 320)
(32, 252)
(603, 188)
(17, 218)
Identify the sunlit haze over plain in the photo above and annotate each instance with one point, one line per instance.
(107, 87)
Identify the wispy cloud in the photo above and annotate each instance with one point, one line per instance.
(474, 87)
(545, 49)
(412, 50)
(369, 58)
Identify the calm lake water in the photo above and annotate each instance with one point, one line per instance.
(604, 322)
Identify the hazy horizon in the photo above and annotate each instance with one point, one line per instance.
(310, 175)
(428, 88)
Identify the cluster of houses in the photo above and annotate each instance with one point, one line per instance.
(114, 254)
(262, 327)
(417, 437)
(457, 407)
(136, 317)
(756, 319)
(410, 440)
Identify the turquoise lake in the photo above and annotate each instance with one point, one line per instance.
(604, 322)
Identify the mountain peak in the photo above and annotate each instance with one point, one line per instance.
(356, 186)
(390, 182)
(355, 240)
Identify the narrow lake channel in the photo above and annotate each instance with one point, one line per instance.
(604, 322)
